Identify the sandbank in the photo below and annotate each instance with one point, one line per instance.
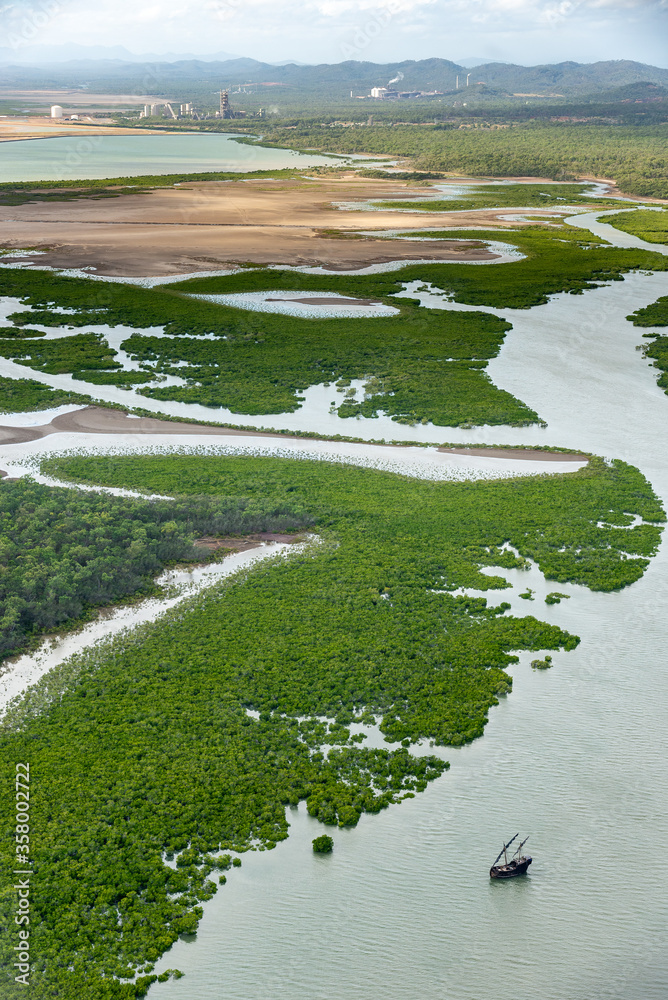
(208, 225)
(40, 127)
(526, 454)
(328, 301)
(98, 420)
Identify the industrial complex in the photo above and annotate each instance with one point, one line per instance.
(386, 94)
(169, 109)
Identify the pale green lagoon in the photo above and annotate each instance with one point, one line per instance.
(96, 156)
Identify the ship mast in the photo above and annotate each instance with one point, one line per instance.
(505, 848)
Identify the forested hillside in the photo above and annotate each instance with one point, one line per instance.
(632, 156)
(328, 82)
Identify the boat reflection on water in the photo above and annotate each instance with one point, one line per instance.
(517, 865)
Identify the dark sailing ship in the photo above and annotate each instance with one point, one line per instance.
(517, 865)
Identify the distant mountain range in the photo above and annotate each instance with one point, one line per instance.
(47, 55)
(331, 80)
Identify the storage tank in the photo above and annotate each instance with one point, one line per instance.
(56, 111)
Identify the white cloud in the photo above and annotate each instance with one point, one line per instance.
(527, 31)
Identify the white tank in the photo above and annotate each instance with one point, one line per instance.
(56, 111)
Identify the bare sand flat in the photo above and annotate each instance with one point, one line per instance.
(98, 420)
(239, 544)
(206, 226)
(527, 454)
(42, 127)
(322, 301)
(164, 250)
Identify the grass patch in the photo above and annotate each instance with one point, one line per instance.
(505, 196)
(427, 364)
(651, 226)
(566, 260)
(22, 395)
(655, 314)
(78, 355)
(422, 365)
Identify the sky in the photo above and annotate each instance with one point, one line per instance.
(528, 32)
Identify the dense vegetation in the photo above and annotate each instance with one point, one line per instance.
(24, 394)
(651, 226)
(655, 314)
(82, 354)
(432, 362)
(421, 365)
(63, 552)
(323, 844)
(506, 196)
(556, 260)
(658, 351)
(145, 749)
(634, 156)
(87, 356)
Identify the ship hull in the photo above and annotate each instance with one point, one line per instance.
(511, 870)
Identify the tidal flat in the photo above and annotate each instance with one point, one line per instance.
(570, 784)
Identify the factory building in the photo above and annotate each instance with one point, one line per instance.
(188, 110)
(225, 109)
(385, 94)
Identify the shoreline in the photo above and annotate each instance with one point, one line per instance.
(203, 225)
(99, 420)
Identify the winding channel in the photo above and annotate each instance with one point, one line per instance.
(575, 757)
(404, 909)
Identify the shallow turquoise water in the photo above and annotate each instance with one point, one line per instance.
(96, 156)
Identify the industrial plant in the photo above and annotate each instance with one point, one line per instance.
(390, 94)
(169, 109)
(386, 94)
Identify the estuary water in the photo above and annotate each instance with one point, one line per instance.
(70, 158)
(404, 908)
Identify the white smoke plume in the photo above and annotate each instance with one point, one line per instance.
(396, 79)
